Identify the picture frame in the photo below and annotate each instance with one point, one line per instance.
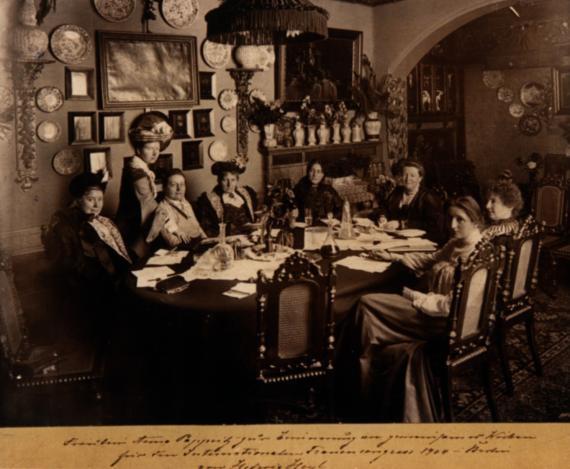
(111, 127)
(97, 159)
(179, 122)
(324, 70)
(170, 70)
(208, 85)
(79, 84)
(202, 123)
(81, 128)
(163, 165)
(561, 90)
(192, 155)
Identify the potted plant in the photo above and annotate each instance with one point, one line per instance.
(265, 116)
(311, 118)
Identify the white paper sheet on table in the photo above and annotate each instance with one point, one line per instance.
(362, 263)
(168, 258)
(410, 244)
(149, 276)
(241, 290)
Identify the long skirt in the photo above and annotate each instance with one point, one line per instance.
(394, 366)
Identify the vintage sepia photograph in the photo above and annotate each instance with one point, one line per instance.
(357, 256)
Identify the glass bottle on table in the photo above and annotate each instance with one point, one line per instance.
(308, 217)
(223, 253)
(330, 247)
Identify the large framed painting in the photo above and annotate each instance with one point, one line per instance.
(146, 70)
(324, 70)
(561, 88)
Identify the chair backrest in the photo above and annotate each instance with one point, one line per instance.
(295, 329)
(471, 315)
(550, 203)
(13, 334)
(521, 265)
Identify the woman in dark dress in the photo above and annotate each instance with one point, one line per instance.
(410, 205)
(228, 202)
(149, 135)
(504, 202)
(315, 196)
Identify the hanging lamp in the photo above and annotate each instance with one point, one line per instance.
(266, 22)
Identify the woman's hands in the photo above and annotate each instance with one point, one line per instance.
(384, 224)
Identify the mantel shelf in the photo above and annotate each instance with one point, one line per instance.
(317, 148)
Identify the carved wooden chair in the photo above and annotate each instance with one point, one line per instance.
(551, 205)
(295, 326)
(519, 280)
(25, 367)
(470, 322)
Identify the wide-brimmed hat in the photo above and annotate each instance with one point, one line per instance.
(151, 127)
(81, 183)
(222, 167)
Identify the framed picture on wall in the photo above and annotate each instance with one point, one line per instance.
(168, 64)
(561, 88)
(324, 70)
(202, 123)
(179, 122)
(111, 127)
(97, 159)
(81, 128)
(79, 83)
(207, 85)
(192, 155)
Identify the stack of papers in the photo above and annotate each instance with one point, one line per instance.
(362, 263)
(165, 257)
(150, 276)
(241, 290)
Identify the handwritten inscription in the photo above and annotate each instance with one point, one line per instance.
(291, 449)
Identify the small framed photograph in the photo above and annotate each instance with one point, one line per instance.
(179, 122)
(111, 127)
(192, 155)
(97, 159)
(161, 168)
(79, 84)
(81, 128)
(207, 85)
(202, 123)
(561, 88)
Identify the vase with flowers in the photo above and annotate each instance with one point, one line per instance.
(311, 118)
(265, 115)
(371, 99)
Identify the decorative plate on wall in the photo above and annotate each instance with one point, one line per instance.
(179, 13)
(505, 94)
(493, 79)
(49, 99)
(67, 161)
(115, 11)
(70, 43)
(266, 57)
(516, 110)
(48, 131)
(218, 151)
(533, 94)
(216, 55)
(228, 124)
(228, 99)
(530, 125)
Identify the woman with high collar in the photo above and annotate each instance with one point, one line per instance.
(410, 205)
(150, 134)
(504, 202)
(228, 202)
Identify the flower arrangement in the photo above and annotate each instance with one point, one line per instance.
(263, 113)
(308, 114)
(369, 93)
(342, 113)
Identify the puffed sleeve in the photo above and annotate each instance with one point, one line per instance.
(434, 304)
(207, 216)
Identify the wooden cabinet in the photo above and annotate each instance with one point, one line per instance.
(338, 160)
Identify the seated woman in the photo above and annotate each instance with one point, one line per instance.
(228, 202)
(389, 322)
(504, 202)
(174, 219)
(316, 197)
(149, 135)
(411, 206)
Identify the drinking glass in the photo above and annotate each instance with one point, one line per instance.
(308, 216)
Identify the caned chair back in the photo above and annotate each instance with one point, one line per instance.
(471, 316)
(551, 204)
(521, 266)
(13, 334)
(295, 329)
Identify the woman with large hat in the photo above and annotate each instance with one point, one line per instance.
(150, 134)
(228, 202)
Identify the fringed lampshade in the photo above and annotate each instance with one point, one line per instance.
(257, 22)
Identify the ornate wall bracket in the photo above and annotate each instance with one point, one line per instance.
(25, 73)
(242, 78)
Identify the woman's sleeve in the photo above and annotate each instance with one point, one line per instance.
(418, 261)
(434, 304)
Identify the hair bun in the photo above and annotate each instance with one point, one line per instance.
(506, 176)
